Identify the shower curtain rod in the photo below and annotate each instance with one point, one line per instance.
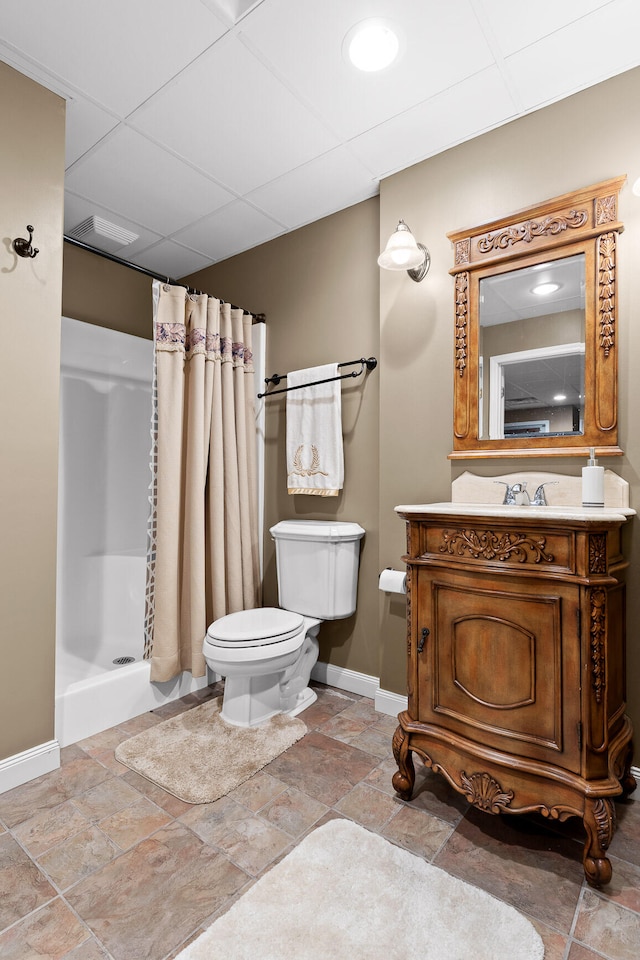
(257, 317)
(371, 363)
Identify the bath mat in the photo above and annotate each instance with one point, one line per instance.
(345, 892)
(198, 757)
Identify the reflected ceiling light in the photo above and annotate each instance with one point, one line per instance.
(543, 289)
(560, 396)
(403, 252)
(371, 45)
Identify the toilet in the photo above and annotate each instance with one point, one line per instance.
(266, 655)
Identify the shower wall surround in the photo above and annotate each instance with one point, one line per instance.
(105, 408)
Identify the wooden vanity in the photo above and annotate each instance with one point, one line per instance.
(516, 662)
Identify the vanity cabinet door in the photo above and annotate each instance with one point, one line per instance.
(500, 664)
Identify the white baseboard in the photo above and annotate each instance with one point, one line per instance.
(344, 679)
(28, 765)
(362, 684)
(390, 703)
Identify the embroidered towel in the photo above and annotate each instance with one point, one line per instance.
(315, 458)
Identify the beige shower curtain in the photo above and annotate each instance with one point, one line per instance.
(203, 559)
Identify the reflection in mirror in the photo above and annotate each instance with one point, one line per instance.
(532, 351)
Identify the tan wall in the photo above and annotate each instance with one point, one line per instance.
(319, 290)
(582, 140)
(99, 291)
(301, 284)
(31, 191)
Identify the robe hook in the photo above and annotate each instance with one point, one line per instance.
(23, 247)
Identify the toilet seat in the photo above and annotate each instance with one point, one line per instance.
(264, 626)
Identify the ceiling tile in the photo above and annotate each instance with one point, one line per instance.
(462, 112)
(598, 46)
(86, 125)
(129, 174)
(318, 188)
(118, 52)
(303, 42)
(77, 209)
(236, 227)
(515, 27)
(234, 119)
(170, 259)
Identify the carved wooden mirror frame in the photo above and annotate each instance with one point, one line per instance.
(585, 221)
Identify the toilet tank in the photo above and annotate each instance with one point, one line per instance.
(317, 565)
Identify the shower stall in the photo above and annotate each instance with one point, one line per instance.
(103, 507)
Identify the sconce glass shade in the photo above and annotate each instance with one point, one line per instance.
(403, 252)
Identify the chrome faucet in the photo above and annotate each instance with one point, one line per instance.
(516, 494)
(539, 498)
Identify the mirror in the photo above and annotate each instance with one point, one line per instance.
(535, 329)
(531, 350)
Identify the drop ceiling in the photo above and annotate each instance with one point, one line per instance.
(207, 127)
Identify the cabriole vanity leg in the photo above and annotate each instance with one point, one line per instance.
(599, 821)
(403, 781)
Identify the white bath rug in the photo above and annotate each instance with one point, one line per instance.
(198, 757)
(347, 893)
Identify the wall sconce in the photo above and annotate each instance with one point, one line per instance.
(403, 252)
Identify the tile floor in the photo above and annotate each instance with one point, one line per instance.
(96, 862)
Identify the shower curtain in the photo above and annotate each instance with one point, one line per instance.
(203, 556)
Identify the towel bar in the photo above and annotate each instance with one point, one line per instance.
(370, 364)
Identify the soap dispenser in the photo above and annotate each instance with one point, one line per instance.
(592, 482)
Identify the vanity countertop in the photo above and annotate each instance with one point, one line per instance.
(560, 513)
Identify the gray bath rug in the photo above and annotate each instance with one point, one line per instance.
(345, 892)
(198, 757)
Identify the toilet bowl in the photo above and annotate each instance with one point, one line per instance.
(266, 655)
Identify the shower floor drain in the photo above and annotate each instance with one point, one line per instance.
(119, 661)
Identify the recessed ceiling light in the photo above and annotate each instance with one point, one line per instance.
(560, 396)
(544, 289)
(371, 45)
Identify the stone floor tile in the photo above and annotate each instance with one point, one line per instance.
(367, 806)
(135, 822)
(579, 952)
(23, 887)
(106, 799)
(148, 901)
(258, 790)
(294, 812)
(243, 836)
(626, 839)
(624, 888)
(89, 950)
(50, 827)
(555, 943)
(105, 740)
(50, 933)
(607, 927)
(344, 728)
(374, 741)
(537, 871)
(322, 767)
(329, 703)
(74, 777)
(172, 805)
(433, 794)
(417, 831)
(77, 857)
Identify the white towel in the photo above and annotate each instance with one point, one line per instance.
(315, 458)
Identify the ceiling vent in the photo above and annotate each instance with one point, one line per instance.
(98, 232)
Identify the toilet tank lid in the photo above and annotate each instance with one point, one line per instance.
(331, 530)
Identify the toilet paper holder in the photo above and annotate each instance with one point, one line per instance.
(392, 581)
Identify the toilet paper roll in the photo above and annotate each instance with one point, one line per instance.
(393, 581)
